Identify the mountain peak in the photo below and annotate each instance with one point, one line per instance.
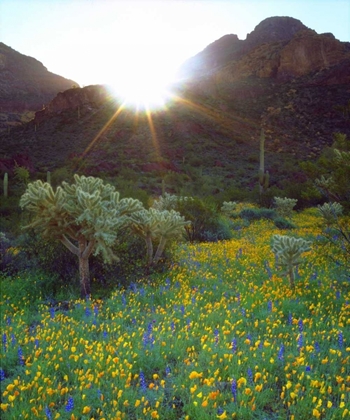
(273, 29)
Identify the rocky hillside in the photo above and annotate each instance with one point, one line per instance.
(284, 77)
(25, 85)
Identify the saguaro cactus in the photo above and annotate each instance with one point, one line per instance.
(6, 185)
(288, 252)
(85, 216)
(264, 177)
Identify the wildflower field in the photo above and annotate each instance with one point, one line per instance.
(221, 335)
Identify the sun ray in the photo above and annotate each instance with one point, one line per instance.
(153, 133)
(102, 131)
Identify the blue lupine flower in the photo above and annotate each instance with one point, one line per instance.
(340, 339)
(220, 411)
(216, 334)
(167, 371)
(243, 311)
(317, 347)
(87, 312)
(4, 341)
(13, 339)
(36, 343)
(281, 352)
(193, 300)
(2, 375)
(337, 294)
(70, 404)
(105, 334)
(269, 306)
(308, 369)
(182, 309)
(300, 341)
(234, 389)
(300, 325)
(172, 326)
(123, 300)
(8, 320)
(234, 345)
(48, 413)
(250, 376)
(52, 312)
(290, 318)
(20, 356)
(96, 310)
(143, 381)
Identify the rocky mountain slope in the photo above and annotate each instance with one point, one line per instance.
(284, 78)
(25, 85)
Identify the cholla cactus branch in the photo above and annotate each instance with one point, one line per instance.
(85, 216)
(284, 206)
(288, 251)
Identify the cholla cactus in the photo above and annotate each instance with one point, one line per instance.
(144, 224)
(330, 212)
(85, 216)
(228, 207)
(170, 225)
(284, 206)
(168, 201)
(288, 252)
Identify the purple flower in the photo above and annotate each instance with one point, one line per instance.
(340, 339)
(48, 413)
(250, 376)
(281, 352)
(20, 356)
(167, 371)
(52, 312)
(143, 384)
(300, 341)
(234, 345)
(2, 375)
(4, 341)
(300, 325)
(269, 306)
(234, 389)
(70, 404)
(216, 334)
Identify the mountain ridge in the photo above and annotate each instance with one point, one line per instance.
(297, 88)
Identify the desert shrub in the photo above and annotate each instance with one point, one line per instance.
(203, 215)
(218, 229)
(284, 206)
(257, 214)
(282, 223)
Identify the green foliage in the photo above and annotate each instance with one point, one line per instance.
(257, 214)
(21, 175)
(330, 173)
(284, 206)
(85, 216)
(282, 223)
(228, 208)
(202, 214)
(330, 212)
(288, 251)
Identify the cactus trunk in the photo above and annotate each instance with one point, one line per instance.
(6, 185)
(149, 245)
(160, 249)
(84, 270)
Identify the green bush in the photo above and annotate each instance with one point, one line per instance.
(257, 214)
(282, 223)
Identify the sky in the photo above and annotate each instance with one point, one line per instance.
(114, 41)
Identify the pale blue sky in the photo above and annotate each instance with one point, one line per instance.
(96, 41)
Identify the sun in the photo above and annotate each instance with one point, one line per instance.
(142, 86)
